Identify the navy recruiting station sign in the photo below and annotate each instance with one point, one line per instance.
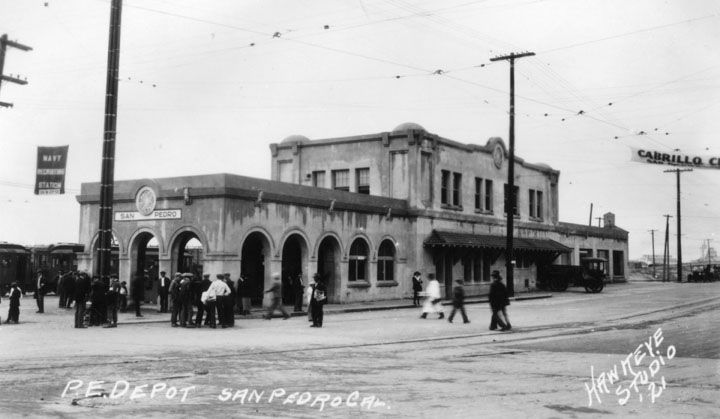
(50, 173)
(675, 159)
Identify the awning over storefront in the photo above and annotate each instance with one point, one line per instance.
(440, 238)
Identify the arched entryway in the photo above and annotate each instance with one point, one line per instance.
(328, 266)
(144, 262)
(294, 258)
(255, 253)
(187, 254)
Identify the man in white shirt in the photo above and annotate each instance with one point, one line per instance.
(163, 287)
(216, 293)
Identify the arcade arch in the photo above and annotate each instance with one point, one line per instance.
(255, 265)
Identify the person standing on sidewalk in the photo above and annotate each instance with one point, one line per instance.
(138, 293)
(298, 290)
(163, 289)
(174, 292)
(417, 288)
(499, 300)
(458, 301)
(243, 293)
(39, 295)
(113, 301)
(82, 291)
(15, 296)
(276, 295)
(432, 299)
(318, 298)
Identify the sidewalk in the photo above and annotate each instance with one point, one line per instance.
(150, 314)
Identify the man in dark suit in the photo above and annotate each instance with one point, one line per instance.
(163, 288)
(39, 295)
(82, 291)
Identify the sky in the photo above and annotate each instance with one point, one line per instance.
(207, 85)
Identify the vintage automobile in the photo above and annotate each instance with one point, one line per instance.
(708, 273)
(590, 274)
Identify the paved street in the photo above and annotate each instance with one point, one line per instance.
(385, 363)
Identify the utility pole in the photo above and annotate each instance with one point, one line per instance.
(679, 231)
(666, 254)
(591, 208)
(108, 158)
(709, 253)
(599, 219)
(4, 43)
(652, 234)
(510, 209)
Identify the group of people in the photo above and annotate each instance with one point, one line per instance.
(198, 302)
(498, 297)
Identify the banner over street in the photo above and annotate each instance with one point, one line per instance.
(675, 159)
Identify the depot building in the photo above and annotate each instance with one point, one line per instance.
(364, 212)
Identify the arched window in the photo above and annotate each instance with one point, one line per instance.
(386, 261)
(358, 261)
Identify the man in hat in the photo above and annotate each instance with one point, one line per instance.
(318, 299)
(432, 302)
(203, 308)
(458, 301)
(82, 291)
(113, 301)
(163, 289)
(186, 301)
(174, 292)
(276, 295)
(499, 300)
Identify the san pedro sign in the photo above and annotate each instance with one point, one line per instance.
(675, 159)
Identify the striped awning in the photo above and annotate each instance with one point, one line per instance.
(439, 238)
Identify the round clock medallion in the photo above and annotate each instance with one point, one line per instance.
(145, 200)
(498, 156)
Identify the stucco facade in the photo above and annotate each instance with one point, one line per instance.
(365, 212)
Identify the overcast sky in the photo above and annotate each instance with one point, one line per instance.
(207, 85)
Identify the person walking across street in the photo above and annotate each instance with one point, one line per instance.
(163, 289)
(432, 299)
(458, 301)
(417, 287)
(275, 292)
(318, 298)
(15, 296)
(498, 302)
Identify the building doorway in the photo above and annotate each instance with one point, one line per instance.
(293, 256)
(255, 250)
(328, 266)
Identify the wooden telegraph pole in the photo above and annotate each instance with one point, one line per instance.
(108, 157)
(511, 198)
(4, 43)
(679, 231)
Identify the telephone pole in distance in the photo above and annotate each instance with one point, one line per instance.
(4, 43)
(679, 231)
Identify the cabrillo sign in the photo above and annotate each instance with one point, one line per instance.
(675, 159)
(145, 201)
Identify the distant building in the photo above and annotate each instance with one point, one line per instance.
(365, 212)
